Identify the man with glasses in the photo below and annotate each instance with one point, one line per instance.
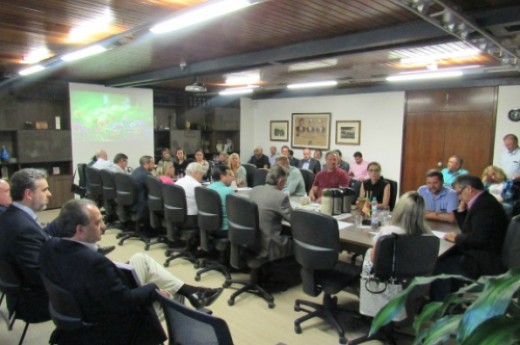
(440, 201)
(120, 164)
(477, 249)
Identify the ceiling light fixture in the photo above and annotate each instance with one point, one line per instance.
(83, 53)
(422, 76)
(326, 83)
(31, 70)
(238, 90)
(200, 14)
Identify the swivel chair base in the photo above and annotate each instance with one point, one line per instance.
(250, 288)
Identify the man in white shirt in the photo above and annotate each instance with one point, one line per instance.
(120, 164)
(194, 174)
(102, 161)
(510, 160)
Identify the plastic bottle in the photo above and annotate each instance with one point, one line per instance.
(4, 155)
(374, 219)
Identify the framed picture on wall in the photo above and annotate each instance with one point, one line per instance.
(279, 131)
(310, 130)
(348, 132)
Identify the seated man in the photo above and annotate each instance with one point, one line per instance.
(139, 176)
(330, 177)
(308, 162)
(194, 174)
(259, 159)
(295, 184)
(222, 177)
(273, 207)
(5, 195)
(453, 170)
(122, 315)
(477, 249)
(102, 161)
(120, 163)
(440, 202)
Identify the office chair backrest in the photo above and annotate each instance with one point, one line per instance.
(209, 209)
(126, 192)
(308, 178)
(393, 193)
(259, 177)
(109, 185)
(242, 220)
(187, 326)
(511, 246)
(82, 174)
(316, 240)
(250, 173)
(155, 199)
(405, 256)
(9, 279)
(95, 182)
(174, 199)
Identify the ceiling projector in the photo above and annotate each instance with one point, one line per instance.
(196, 87)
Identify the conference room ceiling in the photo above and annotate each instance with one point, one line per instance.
(355, 42)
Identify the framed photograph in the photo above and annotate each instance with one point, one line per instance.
(348, 132)
(311, 130)
(279, 131)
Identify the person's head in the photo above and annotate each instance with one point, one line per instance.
(408, 214)
(317, 154)
(332, 160)
(306, 154)
(180, 154)
(81, 220)
(196, 170)
(272, 149)
(29, 186)
(5, 193)
(258, 151)
(223, 157)
(493, 174)
(285, 151)
(101, 154)
(467, 186)
(358, 157)
(282, 161)
(277, 176)
(340, 155)
(146, 162)
(165, 154)
(374, 171)
(510, 142)
(199, 156)
(455, 163)
(121, 159)
(223, 174)
(234, 161)
(434, 181)
(291, 153)
(165, 168)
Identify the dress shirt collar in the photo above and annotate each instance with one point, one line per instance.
(512, 153)
(472, 201)
(91, 246)
(27, 210)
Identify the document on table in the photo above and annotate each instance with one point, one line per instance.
(344, 225)
(439, 234)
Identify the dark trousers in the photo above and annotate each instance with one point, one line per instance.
(448, 264)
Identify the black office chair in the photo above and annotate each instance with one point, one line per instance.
(308, 178)
(156, 208)
(244, 236)
(250, 173)
(175, 215)
(316, 248)
(189, 326)
(212, 236)
(95, 186)
(259, 177)
(511, 246)
(21, 301)
(126, 196)
(109, 195)
(393, 193)
(399, 259)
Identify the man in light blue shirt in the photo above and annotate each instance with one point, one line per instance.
(295, 184)
(222, 177)
(510, 160)
(453, 170)
(440, 201)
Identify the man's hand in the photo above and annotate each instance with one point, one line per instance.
(165, 293)
(450, 236)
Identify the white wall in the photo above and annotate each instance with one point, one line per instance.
(508, 98)
(381, 116)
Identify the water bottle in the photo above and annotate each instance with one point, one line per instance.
(374, 220)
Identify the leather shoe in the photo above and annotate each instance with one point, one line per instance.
(105, 250)
(204, 297)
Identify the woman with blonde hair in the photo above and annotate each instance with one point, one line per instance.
(497, 184)
(238, 170)
(165, 172)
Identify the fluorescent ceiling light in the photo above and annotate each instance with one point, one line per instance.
(238, 90)
(313, 84)
(243, 78)
(31, 70)
(304, 66)
(200, 14)
(82, 53)
(36, 55)
(422, 76)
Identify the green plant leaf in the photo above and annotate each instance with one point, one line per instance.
(429, 312)
(440, 331)
(498, 330)
(494, 300)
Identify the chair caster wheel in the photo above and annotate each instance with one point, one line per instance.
(196, 266)
(166, 264)
(197, 278)
(297, 329)
(342, 340)
(296, 308)
(271, 305)
(226, 284)
(167, 252)
(147, 247)
(121, 242)
(230, 302)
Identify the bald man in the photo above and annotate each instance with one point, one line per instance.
(5, 195)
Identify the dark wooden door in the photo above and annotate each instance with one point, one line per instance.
(441, 123)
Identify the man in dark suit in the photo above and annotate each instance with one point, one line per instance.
(273, 207)
(5, 195)
(286, 151)
(139, 176)
(21, 237)
(308, 162)
(478, 247)
(122, 315)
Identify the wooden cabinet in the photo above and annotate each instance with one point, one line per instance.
(59, 186)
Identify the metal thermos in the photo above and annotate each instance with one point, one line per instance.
(326, 202)
(348, 196)
(337, 201)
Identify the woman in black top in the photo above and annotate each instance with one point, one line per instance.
(376, 186)
(181, 162)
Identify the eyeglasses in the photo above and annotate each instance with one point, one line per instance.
(459, 192)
